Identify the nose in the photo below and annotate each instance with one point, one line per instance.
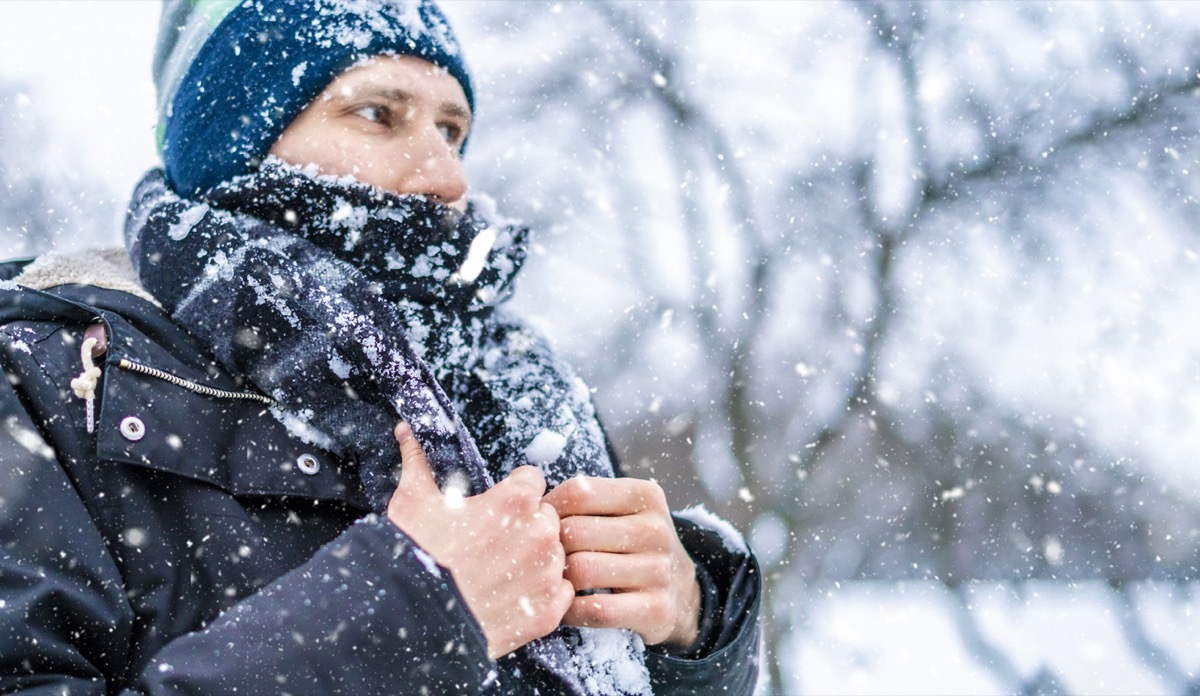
(434, 168)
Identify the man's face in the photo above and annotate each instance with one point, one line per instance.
(396, 122)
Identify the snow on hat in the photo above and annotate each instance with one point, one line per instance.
(232, 74)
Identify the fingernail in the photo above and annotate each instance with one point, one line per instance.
(403, 432)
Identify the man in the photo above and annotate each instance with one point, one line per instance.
(310, 273)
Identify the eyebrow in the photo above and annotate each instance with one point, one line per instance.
(452, 109)
(447, 108)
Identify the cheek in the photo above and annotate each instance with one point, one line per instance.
(370, 161)
(342, 154)
(327, 152)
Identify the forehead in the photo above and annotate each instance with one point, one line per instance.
(417, 79)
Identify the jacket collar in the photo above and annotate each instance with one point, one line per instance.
(108, 267)
(234, 444)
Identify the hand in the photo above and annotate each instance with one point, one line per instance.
(618, 536)
(501, 546)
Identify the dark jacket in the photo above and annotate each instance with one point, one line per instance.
(192, 544)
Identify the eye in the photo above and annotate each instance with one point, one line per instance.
(452, 133)
(374, 113)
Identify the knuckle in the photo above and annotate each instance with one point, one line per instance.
(571, 574)
(550, 518)
(568, 529)
(587, 610)
(583, 568)
(655, 496)
(542, 571)
(566, 595)
(661, 567)
(542, 532)
(655, 527)
(529, 476)
(411, 448)
(603, 613)
(552, 561)
(556, 563)
(573, 492)
(516, 499)
(660, 528)
(544, 580)
(661, 613)
(572, 487)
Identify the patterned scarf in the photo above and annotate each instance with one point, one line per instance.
(353, 308)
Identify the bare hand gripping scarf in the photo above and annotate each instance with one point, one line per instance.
(353, 309)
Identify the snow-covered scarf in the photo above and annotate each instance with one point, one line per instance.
(353, 308)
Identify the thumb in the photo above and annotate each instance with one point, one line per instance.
(415, 472)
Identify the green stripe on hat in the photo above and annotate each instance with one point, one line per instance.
(215, 10)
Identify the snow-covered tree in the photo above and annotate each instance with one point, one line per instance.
(866, 271)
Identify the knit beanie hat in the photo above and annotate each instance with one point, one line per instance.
(232, 74)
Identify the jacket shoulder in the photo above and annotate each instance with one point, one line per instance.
(31, 289)
(155, 375)
(12, 268)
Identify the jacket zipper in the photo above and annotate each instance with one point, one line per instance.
(132, 366)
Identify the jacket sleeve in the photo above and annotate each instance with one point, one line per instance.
(355, 618)
(369, 614)
(726, 656)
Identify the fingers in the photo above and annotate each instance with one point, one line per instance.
(618, 610)
(525, 478)
(544, 618)
(626, 534)
(415, 472)
(586, 495)
(562, 600)
(588, 570)
(542, 533)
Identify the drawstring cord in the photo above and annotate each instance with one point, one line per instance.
(84, 385)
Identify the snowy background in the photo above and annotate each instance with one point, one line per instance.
(906, 291)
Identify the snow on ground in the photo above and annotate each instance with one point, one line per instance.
(902, 638)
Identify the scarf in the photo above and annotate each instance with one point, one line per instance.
(353, 308)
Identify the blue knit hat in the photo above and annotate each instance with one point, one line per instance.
(232, 74)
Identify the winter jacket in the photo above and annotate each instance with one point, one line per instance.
(187, 542)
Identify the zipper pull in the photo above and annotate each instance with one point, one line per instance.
(95, 343)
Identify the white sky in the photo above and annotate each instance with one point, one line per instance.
(87, 68)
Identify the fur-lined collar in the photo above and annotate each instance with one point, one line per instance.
(105, 268)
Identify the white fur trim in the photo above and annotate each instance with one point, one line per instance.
(105, 268)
